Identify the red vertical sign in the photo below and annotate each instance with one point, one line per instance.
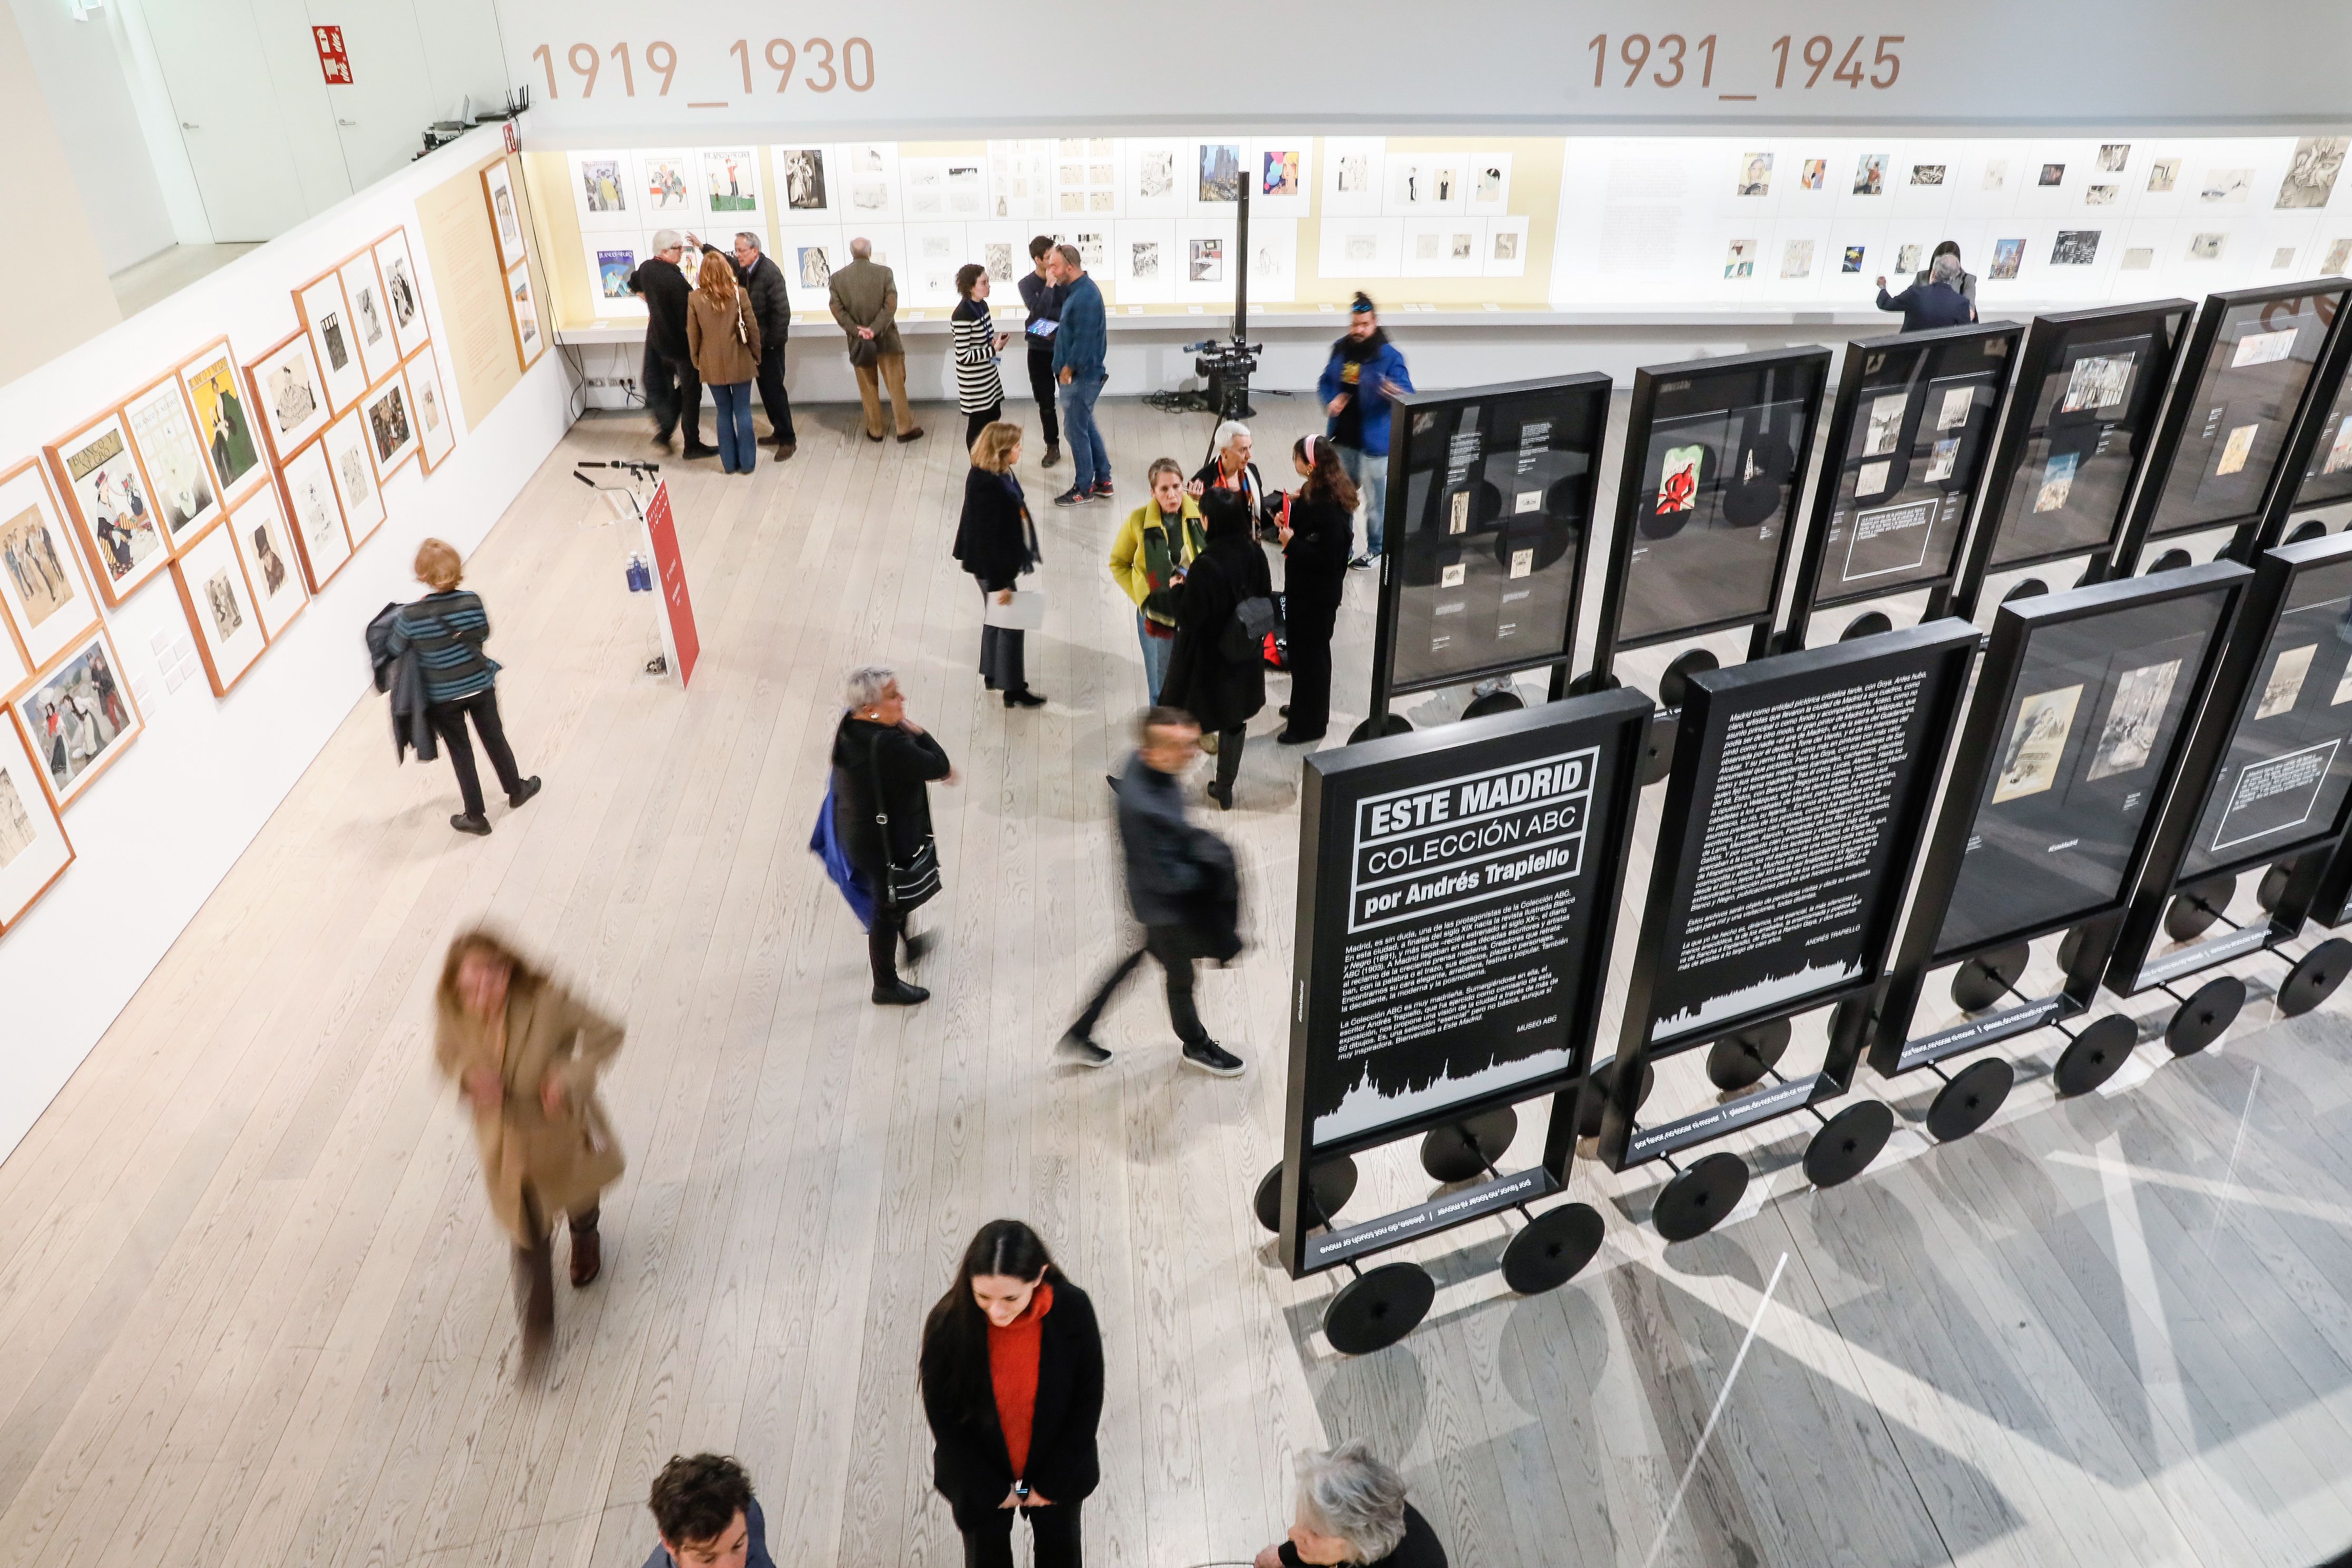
(334, 63)
(670, 576)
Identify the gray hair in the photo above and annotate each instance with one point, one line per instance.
(667, 239)
(861, 247)
(1227, 430)
(1069, 255)
(1348, 1493)
(745, 236)
(867, 684)
(1945, 270)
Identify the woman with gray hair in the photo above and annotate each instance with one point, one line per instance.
(1351, 1511)
(883, 765)
(1228, 468)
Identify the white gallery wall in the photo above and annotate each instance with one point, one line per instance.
(156, 832)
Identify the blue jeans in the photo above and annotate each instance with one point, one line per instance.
(1370, 473)
(1156, 651)
(737, 449)
(1079, 429)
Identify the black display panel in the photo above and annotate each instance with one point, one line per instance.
(2250, 359)
(2328, 478)
(2088, 388)
(1800, 786)
(1716, 452)
(1458, 896)
(2071, 738)
(1492, 492)
(1910, 434)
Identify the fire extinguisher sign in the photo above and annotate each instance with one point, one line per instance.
(334, 63)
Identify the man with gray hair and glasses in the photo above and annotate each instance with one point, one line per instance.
(1351, 1511)
(673, 389)
(1938, 301)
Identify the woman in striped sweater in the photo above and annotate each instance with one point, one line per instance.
(980, 389)
(447, 628)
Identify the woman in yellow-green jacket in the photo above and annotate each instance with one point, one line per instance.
(1157, 542)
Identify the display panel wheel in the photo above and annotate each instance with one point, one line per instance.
(2172, 560)
(1968, 1102)
(1675, 685)
(1494, 702)
(1738, 1060)
(2272, 888)
(1695, 1200)
(1868, 624)
(1848, 1142)
(2027, 588)
(1329, 1187)
(2310, 528)
(2095, 1055)
(2070, 948)
(2210, 1011)
(1588, 1124)
(2315, 977)
(2195, 907)
(1981, 981)
(1552, 1248)
(1378, 1308)
(1461, 1150)
(1658, 749)
(1398, 724)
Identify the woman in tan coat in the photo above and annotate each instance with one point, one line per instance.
(722, 333)
(524, 1054)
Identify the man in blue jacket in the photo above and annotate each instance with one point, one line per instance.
(1080, 345)
(1365, 372)
(1937, 302)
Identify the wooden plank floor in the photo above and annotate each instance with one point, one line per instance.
(253, 1309)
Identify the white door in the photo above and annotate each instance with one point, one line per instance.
(211, 55)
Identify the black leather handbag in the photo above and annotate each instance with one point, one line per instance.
(909, 887)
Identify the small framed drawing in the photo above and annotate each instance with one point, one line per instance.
(265, 546)
(316, 516)
(437, 437)
(219, 601)
(356, 478)
(327, 318)
(370, 317)
(43, 590)
(403, 292)
(523, 308)
(224, 425)
(34, 848)
(505, 213)
(391, 425)
(164, 438)
(77, 718)
(99, 475)
(291, 394)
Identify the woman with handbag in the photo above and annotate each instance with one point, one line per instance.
(722, 333)
(1216, 672)
(1317, 527)
(997, 544)
(883, 765)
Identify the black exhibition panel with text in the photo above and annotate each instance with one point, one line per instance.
(1909, 436)
(1490, 513)
(1716, 452)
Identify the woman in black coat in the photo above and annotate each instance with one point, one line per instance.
(1013, 1386)
(1317, 531)
(883, 764)
(997, 543)
(1214, 672)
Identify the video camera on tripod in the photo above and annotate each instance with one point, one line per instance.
(1225, 369)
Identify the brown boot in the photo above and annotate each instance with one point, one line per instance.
(587, 1258)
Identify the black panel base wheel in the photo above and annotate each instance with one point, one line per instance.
(1328, 1188)
(1969, 1100)
(2208, 1013)
(1552, 1248)
(2315, 977)
(1848, 1142)
(1735, 1061)
(1378, 1308)
(1461, 1150)
(2095, 1055)
(1398, 724)
(1595, 1104)
(1698, 1198)
(1983, 980)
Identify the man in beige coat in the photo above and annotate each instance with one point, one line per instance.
(866, 302)
(524, 1054)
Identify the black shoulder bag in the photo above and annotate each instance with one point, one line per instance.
(911, 886)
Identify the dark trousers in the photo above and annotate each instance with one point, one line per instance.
(1043, 388)
(1172, 946)
(973, 423)
(1002, 662)
(1309, 643)
(448, 721)
(674, 394)
(535, 1264)
(772, 390)
(1054, 1531)
(1229, 754)
(882, 940)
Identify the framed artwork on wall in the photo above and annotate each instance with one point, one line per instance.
(34, 848)
(404, 291)
(99, 478)
(327, 318)
(506, 212)
(316, 515)
(523, 308)
(435, 437)
(265, 545)
(370, 317)
(42, 588)
(224, 427)
(290, 395)
(390, 426)
(79, 717)
(218, 597)
(164, 439)
(356, 484)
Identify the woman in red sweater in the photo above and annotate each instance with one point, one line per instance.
(1013, 1386)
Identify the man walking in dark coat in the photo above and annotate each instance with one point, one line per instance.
(772, 303)
(673, 390)
(1181, 882)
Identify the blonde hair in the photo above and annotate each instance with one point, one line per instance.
(999, 439)
(716, 278)
(438, 567)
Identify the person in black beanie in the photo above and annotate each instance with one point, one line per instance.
(673, 387)
(1365, 371)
